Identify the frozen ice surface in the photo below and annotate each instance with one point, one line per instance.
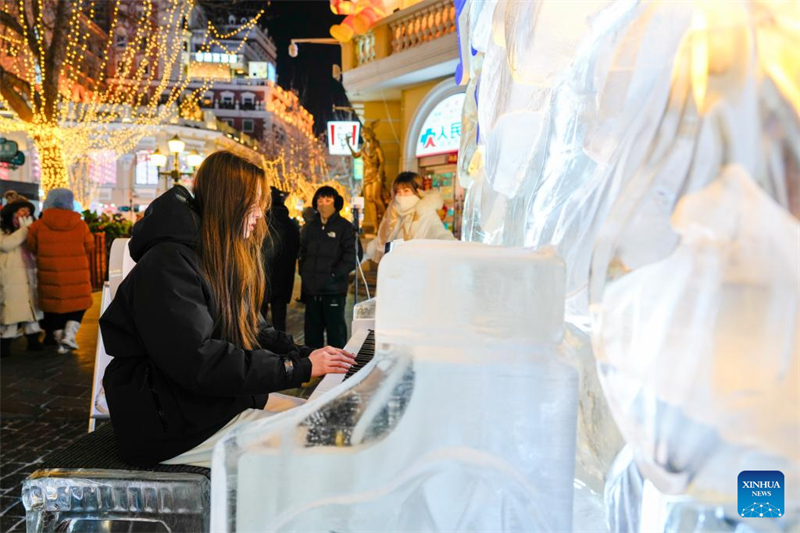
(464, 421)
(595, 118)
(714, 388)
(365, 309)
(85, 500)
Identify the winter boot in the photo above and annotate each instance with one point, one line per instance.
(49, 339)
(33, 343)
(5, 347)
(70, 330)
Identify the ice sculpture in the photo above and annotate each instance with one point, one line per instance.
(714, 388)
(464, 420)
(581, 107)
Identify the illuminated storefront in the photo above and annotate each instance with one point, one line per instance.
(436, 135)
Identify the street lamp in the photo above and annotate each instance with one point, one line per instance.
(176, 146)
(158, 158)
(293, 51)
(194, 158)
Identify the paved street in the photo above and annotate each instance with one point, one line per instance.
(44, 405)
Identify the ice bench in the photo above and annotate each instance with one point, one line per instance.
(87, 488)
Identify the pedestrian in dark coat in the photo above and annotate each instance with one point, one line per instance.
(327, 256)
(191, 353)
(280, 258)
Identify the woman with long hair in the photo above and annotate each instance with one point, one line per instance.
(192, 356)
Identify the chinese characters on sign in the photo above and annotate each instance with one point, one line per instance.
(441, 131)
(338, 133)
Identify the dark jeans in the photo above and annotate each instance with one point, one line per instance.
(325, 313)
(278, 310)
(55, 321)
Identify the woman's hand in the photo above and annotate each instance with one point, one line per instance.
(330, 360)
(24, 222)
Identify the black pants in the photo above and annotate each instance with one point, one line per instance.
(55, 321)
(278, 310)
(325, 313)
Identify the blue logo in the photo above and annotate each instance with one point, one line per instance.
(761, 494)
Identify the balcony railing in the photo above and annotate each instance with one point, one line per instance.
(406, 29)
(241, 106)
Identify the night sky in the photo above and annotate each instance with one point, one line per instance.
(310, 73)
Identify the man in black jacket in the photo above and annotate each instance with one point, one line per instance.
(327, 256)
(280, 259)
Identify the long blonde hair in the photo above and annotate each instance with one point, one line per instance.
(225, 188)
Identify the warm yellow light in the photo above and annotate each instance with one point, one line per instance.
(158, 158)
(176, 145)
(195, 158)
(699, 68)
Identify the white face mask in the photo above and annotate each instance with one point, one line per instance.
(406, 203)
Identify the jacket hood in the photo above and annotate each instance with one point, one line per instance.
(170, 218)
(60, 219)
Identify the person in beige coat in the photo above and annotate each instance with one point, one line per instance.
(19, 312)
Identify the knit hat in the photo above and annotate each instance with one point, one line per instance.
(59, 199)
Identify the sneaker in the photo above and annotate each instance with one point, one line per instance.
(62, 349)
(70, 331)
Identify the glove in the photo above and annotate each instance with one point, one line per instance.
(24, 222)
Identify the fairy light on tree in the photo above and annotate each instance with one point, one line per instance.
(77, 87)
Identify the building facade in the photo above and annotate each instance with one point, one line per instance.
(242, 109)
(401, 74)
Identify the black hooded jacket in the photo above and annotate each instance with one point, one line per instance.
(327, 256)
(280, 253)
(173, 382)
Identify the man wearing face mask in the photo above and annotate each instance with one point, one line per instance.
(410, 215)
(327, 256)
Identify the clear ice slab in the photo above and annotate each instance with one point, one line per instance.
(464, 420)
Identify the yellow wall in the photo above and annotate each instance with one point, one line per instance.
(395, 117)
(410, 100)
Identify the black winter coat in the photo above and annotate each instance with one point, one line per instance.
(327, 256)
(280, 254)
(173, 382)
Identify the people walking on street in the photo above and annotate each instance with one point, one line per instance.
(62, 242)
(280, 257)
(19, 311)
(412, 214)
(192, 355)
(327, 256)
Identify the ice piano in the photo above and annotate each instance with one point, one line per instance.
(463, 421)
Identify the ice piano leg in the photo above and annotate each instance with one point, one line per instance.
(464, 420)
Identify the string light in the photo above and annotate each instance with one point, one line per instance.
(135, 90)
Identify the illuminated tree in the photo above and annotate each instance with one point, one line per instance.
(296, 162)
(94, 75)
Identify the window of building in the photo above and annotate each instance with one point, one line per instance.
(146, 169)
(122, 41)
(247, 125)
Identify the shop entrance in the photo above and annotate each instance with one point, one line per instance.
(439, 173)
